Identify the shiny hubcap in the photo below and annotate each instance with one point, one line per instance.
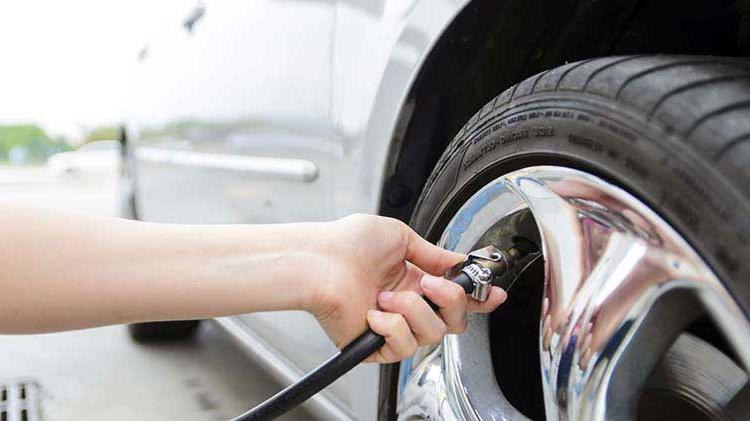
(620, 287)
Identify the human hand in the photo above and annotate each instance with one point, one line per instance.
(375, 272)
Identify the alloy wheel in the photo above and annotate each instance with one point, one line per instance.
(621, 290)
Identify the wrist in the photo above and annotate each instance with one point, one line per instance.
(320, 256)
(310, 262)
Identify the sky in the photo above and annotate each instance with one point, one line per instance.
(67, 64)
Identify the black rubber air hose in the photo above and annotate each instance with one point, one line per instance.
(328, 372)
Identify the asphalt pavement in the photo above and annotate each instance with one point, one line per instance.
(100, 374)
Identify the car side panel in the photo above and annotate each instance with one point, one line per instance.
(231, 128)
(297, 83)
(379, 53)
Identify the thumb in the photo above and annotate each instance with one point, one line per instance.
(429, 257)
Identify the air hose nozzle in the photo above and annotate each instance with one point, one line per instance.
(484, 266)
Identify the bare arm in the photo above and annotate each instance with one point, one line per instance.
(66, 271)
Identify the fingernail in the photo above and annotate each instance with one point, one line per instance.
(430, 282)
(373, 313)
(503, 295)
(385, 296)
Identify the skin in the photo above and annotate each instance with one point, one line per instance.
(65, 271)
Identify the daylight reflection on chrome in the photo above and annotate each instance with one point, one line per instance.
(620, 285)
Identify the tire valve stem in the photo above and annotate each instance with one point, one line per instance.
(486, 265)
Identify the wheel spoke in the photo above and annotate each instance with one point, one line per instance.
(618, 292)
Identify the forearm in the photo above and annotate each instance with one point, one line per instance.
(64, 271)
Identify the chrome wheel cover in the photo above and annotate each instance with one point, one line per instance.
(620, 285)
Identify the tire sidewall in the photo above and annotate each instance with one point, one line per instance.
(609, 140)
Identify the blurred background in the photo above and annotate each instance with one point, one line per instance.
(64, 86)
(67, 70)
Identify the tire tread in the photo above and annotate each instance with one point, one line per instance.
(591, 75)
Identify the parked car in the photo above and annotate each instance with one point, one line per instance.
(100, 157)
(613, 134)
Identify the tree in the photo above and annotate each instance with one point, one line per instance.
(102, 133)
(29, 141)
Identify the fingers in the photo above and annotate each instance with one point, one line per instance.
(408, 321)
(429, 257)
(450, 298)
(497, 297)
(428, 327)
(399, 340)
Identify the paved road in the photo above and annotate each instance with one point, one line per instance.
(100, 374)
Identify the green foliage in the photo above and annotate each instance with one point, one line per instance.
(30, 142)
(102, 133)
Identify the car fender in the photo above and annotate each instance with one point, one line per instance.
(366, 114)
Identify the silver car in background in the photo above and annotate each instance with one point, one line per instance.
(606, 132)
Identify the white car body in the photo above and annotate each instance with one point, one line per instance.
(95, 158)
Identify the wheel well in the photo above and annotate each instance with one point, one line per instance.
(492, 45)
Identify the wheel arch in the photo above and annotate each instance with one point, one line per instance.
(491, 45)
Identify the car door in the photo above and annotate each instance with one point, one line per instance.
(231, 115)
(231, 124)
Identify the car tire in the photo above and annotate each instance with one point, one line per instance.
(163, 331)
(673, 131)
